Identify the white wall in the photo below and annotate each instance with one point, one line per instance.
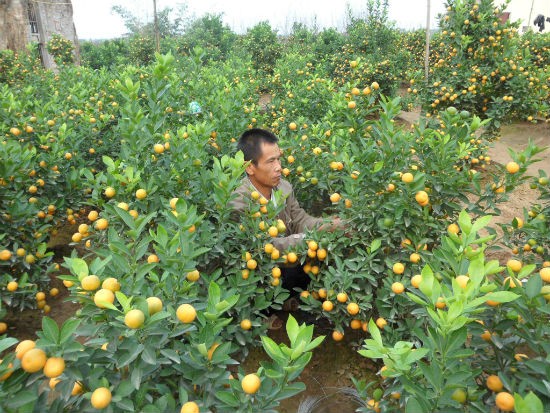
(521, 10)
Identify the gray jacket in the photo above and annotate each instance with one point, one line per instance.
(297, 220)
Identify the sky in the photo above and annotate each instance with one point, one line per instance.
(96, 20)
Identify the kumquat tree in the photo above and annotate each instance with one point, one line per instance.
(119, 240)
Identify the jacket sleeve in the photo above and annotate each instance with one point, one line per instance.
(300, 219)
(238, 205)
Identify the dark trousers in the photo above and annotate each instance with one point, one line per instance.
(294, 277)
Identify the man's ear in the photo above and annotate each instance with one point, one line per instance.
(250, 168)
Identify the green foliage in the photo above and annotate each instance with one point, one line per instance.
(381, 208)
(17, 68)
(329, 41)
(209, 33)
(7, 63)
(262, 43)
(301, 38)
(61, 49)
(478, 65)
(372, 42)
(167, 25)
(107, 53)
(142, 50)
(441, 366)
(276, 376)
(75, 134)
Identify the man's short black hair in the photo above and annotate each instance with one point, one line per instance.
(251, 140)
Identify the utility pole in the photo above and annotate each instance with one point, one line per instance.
(427, 51)
(530, 13)
(156, 23)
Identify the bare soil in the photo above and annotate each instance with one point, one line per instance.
(333, 364)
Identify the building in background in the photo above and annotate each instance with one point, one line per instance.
(25, 21)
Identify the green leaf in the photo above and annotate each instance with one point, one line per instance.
(416, 355)
(413, 406)
(291, 390)
(228, 398)
(50, 330)
(125, 404)
(533, 286)
(6, 343)
(126, 217)
(23, 398)
(274, 374)
(476, 270)
(375, 333)
(298, 350)
(481, 222)
(214, 294)
(273, 350)
(375, 245)
(377, 166)
(124, 301)
(492, 267)
(67, 329)
(371, 354)
(530, 404)
(432, 373)
(417, 299)
(464, 222)
(124, 388)
(127, 356)
(292, 329)
(78, 267)
(151, 408)
(526, 270)
(221, 353)
(171, 354)
(502, 296)
(136, 375)
(149, 355)
(159, 316)
(426, 285)
(161, 236)
(109, 163)
(97, 265)
(315, 343)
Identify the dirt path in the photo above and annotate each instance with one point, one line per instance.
(516, 136)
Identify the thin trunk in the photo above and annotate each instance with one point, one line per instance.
(427, 51)
(530, 13)
(157, 34)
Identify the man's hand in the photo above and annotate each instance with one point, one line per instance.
(333, 225)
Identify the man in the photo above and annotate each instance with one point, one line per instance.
(260, 147)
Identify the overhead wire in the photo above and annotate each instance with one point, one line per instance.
(49, 2)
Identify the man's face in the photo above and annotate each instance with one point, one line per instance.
(266, 173)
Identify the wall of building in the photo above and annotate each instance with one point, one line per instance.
(55, 17)
(52, 17)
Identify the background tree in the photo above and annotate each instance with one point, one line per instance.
(168, 25)
(210, 34)
(13, 25)
(262, 42)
